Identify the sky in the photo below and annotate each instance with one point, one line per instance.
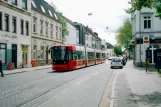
(105, 13)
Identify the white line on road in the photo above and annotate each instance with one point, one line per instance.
(113, 91)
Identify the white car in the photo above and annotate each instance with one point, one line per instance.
(116, 62)
(110, 58)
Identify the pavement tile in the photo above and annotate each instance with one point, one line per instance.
(136, 88)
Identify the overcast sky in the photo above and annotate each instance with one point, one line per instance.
(104, 13)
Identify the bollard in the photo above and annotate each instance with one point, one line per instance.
(2, 75)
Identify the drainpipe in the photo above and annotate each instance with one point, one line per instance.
(140, 39)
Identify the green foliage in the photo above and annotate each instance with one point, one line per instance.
(117, 50)
(139, 4)
(124, 34)
(65, 31)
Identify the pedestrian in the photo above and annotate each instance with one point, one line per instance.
(2, 75)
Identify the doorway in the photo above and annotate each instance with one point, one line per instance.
(14, 54)
(47, 55)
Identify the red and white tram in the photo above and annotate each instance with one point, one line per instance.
(103, 56)
(90, 56)
(98, 54)
(70, 57)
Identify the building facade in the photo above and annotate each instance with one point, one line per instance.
(110, 50)
(73, 36)
(46, 31)
(15, 35)
(144, 23)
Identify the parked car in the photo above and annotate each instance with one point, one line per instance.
(116, 62)
(110, 58)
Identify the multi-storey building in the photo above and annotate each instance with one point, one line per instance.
(144, 23)
(46, 31)
(15, 35)
(110, 50)
(73, 36)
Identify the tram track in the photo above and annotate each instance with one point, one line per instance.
(54, 92)
(40, 83)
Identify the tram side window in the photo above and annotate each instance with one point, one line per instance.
(74, 55)
(103, 55)
(90, 55)
(98, 55)
(70, 56)
(78, 55)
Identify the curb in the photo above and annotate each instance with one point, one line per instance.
(25, 71)
(113, 91)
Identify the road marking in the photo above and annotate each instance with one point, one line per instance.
(113, 91)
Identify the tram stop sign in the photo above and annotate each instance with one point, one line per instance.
(158, 59)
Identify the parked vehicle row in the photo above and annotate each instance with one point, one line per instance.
(118, 62)
(70, 57)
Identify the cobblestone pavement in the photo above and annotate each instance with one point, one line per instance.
(79, 88)
(136, 88)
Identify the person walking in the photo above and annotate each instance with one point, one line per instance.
(1, 70)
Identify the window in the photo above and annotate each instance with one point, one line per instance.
(14, 2)
(33, 3)
(147, 22)
(0, 21)
(6, 22)
(55, 16)
(27, 28)
(46, 28)
(14, 24)
(50, 13)
(42, 52)
(91, 55)
(24, 4)
(35, 52)
(22, 26)
(60, 32)
(56, 32)
(78, 55)
(42, 8)
(98, 55)
(51, 30)
(3, 48)
(34, 24)
(41, 29)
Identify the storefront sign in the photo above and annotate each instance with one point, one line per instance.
(146, 40)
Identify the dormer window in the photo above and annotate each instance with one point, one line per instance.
(24, 4)
(33, 3)
(42, 8)
(55, 16)
(14, 2)
(50, 13)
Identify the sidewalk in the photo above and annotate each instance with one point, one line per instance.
(136, 88)
(8, 72)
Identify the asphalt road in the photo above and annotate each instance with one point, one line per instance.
(45, 88)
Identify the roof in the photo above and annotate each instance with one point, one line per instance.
(69, 21)
(47, 7)
(109, 45)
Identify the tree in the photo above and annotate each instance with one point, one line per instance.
(65, 31)
(124, 34)
(61, 18)
(139, 4)
(118, 50)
